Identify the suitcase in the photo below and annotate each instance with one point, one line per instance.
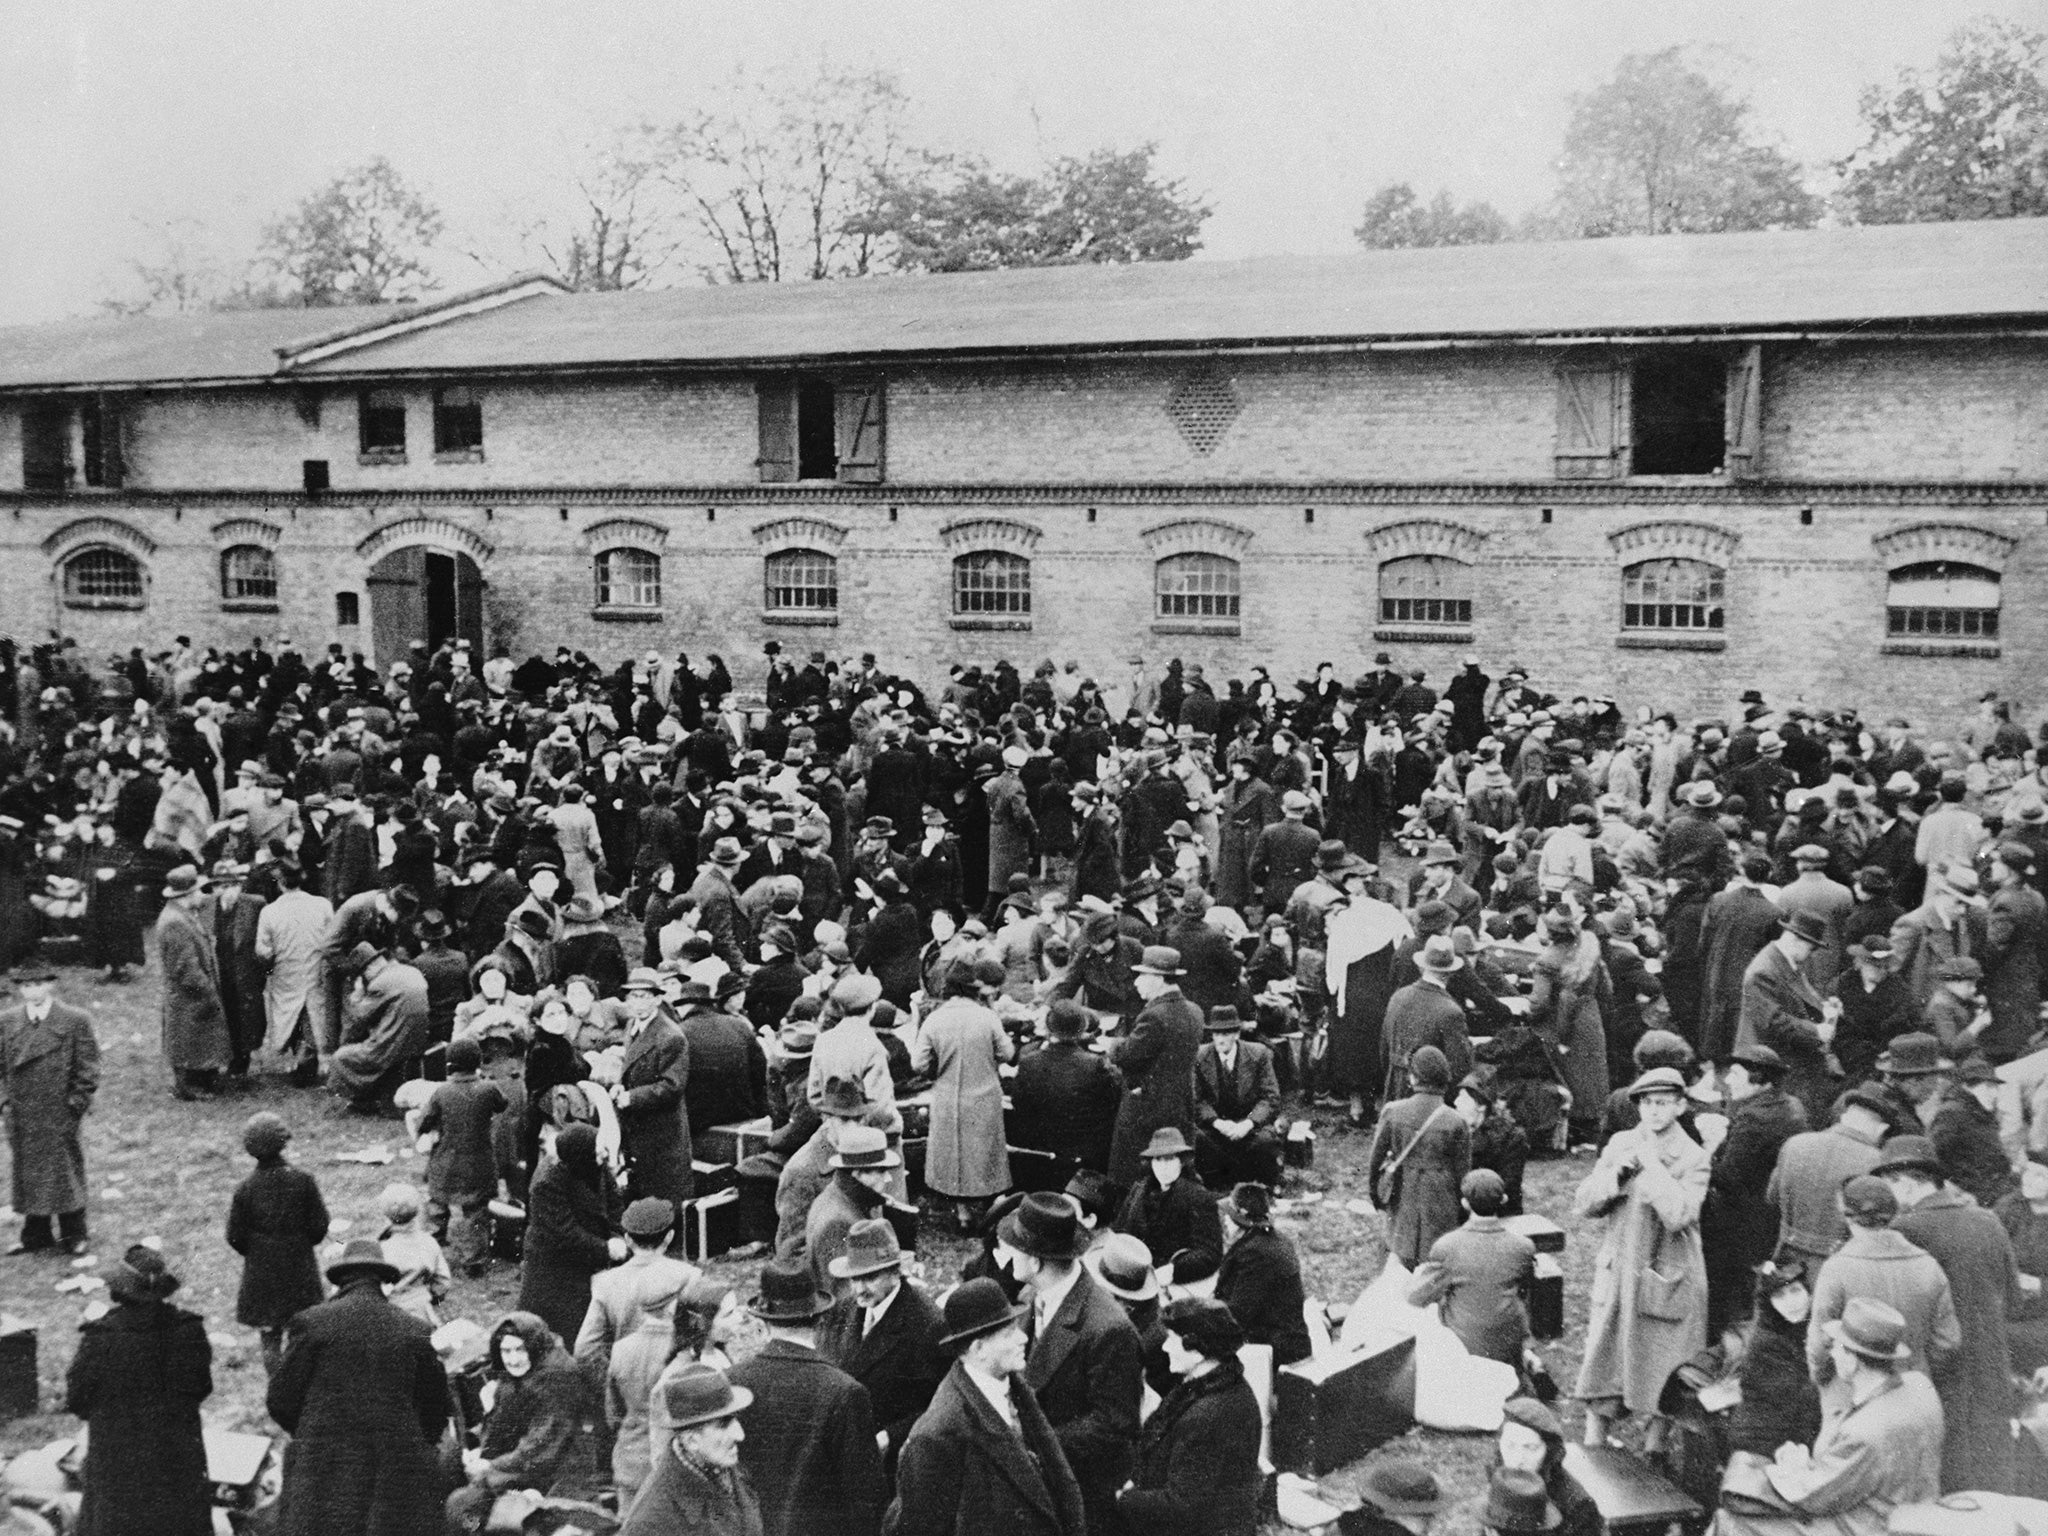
(1546, 1234)
(710, 1178)
(1330, 1411)
(1632, 1497)
(1546, 1298)
(18, 1386)
(757, 1216)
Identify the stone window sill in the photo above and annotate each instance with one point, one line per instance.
(371, 458)
(990, 622)
(796, 619)
(1197, 627)
(1422, 634)
(1676, 640)
(613, 614)
(1987, 649)
(248, 605)
(128, 603)
(458, 455)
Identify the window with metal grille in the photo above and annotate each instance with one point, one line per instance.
(380, 423)
(1943, 600)
(628, 578)
(1425, 589)
(1203, 406)
(1197, 587)
(1671, 594)
(248, 573)
(802, 581)
(102, 575)
(991, 581)
(458, 421)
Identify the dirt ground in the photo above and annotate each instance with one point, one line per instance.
(161, 1168)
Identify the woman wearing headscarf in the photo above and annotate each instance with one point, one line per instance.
(139, 1376)
(541, 1430)
(572, 1231)
(1532, 1441)
(1779, 1402)
(1567, 1008)
(1197, 1469)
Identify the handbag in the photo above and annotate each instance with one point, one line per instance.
(1384, 1187)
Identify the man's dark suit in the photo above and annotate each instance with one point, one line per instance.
(728, 1074)
(965, 1472)
(810, 1448)
(899, 1362)
(1158, 1065)
(1212, 965)
(1283, 856)
(1063, 1101)
(1249, 1091)
(1087, 1370)
(654, 1125)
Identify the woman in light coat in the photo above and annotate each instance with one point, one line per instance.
(967, 1158)
(1568, 1008)
(1649, 1301)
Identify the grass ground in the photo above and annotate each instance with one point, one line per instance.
(161, 1168)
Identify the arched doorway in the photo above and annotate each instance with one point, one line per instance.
(424, 594)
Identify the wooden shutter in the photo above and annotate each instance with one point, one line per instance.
(1743, 456)
(858, 403)
(1589, 415)
(777, 398)
(46, 446)
(113, 460)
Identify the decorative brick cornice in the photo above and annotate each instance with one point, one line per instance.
(1690, 541)
(799, 533)
(427, 532)
(625, 533)
(1426, 536)
(100, 530)
(1197, 535)
(247, 530)
(1944, 541)
(970, 533)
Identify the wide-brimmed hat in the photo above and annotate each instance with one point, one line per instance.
(863, 1148)
(1658, 1080)
(1960, 878)
(1167, 1141)
(726, 852)
(1332, 855)
(871, 1247)
(649, 1217)
(1045, 1226)
(1908, 1152)
(1518, 1501)
(700, 1394)
(1223, 1020)
(1914, 1055)
(1159, 960)
(1439, 955)
(364, 1256)
(1872, 1329)
(1976, 1069)
(1805, 925)
(1402, 1488)
(788, 1294)
(975, 1308)
(844, 1098)
(1122, 1264)
(643, 978)
(182, 881)
(1702, 795)
(1139, 886)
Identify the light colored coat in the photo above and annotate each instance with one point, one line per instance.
(959, 1048)
(1652, 1223)
(289, 942)
(582, 848)
(1867, 1460)
(1010, 829)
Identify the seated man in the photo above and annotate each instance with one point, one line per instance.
(1237, 1094)
(1879, 1444)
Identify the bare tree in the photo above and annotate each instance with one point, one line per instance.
(183, 275)
(361, 239)
(625, 227)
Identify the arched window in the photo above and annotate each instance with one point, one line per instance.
(628, 578)
(991, 581)
(102, 575)
(802, 581)
(1943, 600)
(248, 573)
(1425, 589)
(1197, 587)
(1671, 594)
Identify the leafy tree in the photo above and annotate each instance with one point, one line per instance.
(1661, 149)
(1396, 219)
(1971, 143)
(361, 239)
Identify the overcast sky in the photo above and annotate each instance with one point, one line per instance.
(122, 113)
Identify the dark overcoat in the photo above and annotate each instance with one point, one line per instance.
(241, 973)
(195, 1022)
(2016, 938)
(1739, 1224)
(1179, 1223)
(1423, 1203)
(677, 1497)
(1197, 1471)
(1063, 1100)
(1087, 1371)
(569, 1224)
(899, 1361)
(1158, 1066)
(1260, 1281)
(654, 1120)
(965, 1472)
(1248, 809)
(1739, 922)
(542, 1430)
(810, 1448)
(364, 1398)
(49, 1073)
(1420, 1014)
(138, 1379)
(276, 1222)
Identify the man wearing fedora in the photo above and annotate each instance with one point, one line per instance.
(1782, 1009)
(1086, 1366)
(1424, 1013)
(1912, 1075)
(1064, 1097)
(1157, 1061)
(49, 1072)
(1947, 925)
(364, 1397)
(195, 1024)
(1172, 1213)
(654, 1120)
(1396, 1498)
(1875, 1006)
(385, 1032)
(861, 1170)
(717, 900)
(1739, 1224)
(697, 1485)
(1237, 1097)
(810, 1448)
(884, 1334)
(984, 1457)
(1876, 1451)
(1283, 854)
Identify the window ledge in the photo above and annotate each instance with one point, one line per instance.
(248, 605)
(371, 457)
(1984, 648)
(458, 455)
(799, 620)
(1197, 627)
(130, 603)
(1424, 634)
(1676, 640)
(988, 622)
(614, 613)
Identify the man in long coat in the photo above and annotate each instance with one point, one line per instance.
(386, 1031)
(1421, 1151)
(237, 911)
(1781, 1009)
(1158, 1064)
(1739, 922)
(364, 1398)
(1739, 1224)
(1249, 807)
(1011, 828)
(654, 1117)
(2016, 930)
(49, 1072)
(1063, 1099)
(195, 1023)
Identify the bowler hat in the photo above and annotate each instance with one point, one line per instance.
(1902, 1153)
(1123, 1265)
(1167, 1141)
(1045, 1226)
(975, 1308)
(871, 1247)
(863, 1147)
(1159, 960)
(649, 1217)
(1806, 925)
(1223, 1020)
(1914, 1055)
(1872, 1329)
(700, 1394)
(788, 1294)
(1517, 1501)
(364, 1256)
(1403, 1488)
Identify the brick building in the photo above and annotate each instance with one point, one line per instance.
(1665, 469)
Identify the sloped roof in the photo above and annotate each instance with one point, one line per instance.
(1994, 270)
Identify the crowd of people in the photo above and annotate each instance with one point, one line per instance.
(1094, 959)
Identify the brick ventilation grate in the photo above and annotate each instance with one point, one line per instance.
(1203, 407)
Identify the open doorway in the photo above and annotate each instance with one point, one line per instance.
(424, 594)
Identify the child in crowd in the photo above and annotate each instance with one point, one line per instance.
(276, 1222)
(637, 1361)
(423, 1277)
(462, 1174)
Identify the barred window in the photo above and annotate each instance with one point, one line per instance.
(1943, 600)
(628, 578)
(802, 581)
(1671, 594)
(248, 572)
(1425, 589)
(991, 581)
(102, 575)
(1197, 587)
